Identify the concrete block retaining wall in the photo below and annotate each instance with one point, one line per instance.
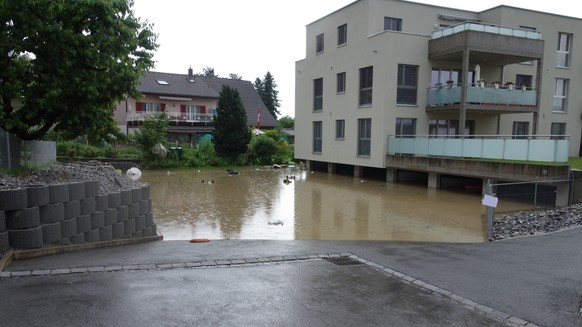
(72, 213)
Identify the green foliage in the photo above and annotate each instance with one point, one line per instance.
(264, 150)
(575, 162)
(270, 148)
(286, 122)
(66, 64)
(152, 132)
(82, 150)
(208, 72)
(206, 155)
(267, 91)
(231, 135)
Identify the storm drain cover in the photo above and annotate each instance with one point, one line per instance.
(343, 261)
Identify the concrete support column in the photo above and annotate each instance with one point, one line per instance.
(308, 165)
(358, 171)
(391, 175)
(330, 168)
(434, 180)
(562, 192)
(464, 86)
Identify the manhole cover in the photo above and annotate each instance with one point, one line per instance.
(343, 261)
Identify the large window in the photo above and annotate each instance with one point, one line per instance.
(366, 83)
(560, 95)
(341, 83)
(364, 136)
(524, 80)
(392, 24)
(520, 129)
(193, 112)
(405, 127)
(449, 127)
(558, 130)
(443, 76)
(318, 94)
(317, 136)
(564, 46)
(340, 129)
(407, 84)
(342, 34)
(319, 43)
(150, 107)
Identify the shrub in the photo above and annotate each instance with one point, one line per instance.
(263, 150)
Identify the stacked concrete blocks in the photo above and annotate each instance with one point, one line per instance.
(73, 213)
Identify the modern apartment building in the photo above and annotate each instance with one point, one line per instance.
(190, 102)
(403, 86)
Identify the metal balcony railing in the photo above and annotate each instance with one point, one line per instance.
(174, 117)
(538, 148)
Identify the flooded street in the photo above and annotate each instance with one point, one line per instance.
(257, 204)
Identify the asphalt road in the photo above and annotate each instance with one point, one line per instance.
(526, 281)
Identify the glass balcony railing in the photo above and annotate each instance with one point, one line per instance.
(487, 95)
(494, 29)
(551, 149)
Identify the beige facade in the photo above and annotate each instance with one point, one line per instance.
(399, 45)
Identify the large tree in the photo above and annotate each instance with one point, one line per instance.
(268, 93)
(231, 133)
(66, 64)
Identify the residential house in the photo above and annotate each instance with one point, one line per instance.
(190, 103)
(406, 88)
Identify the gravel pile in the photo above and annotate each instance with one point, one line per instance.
(109, 179)
(525, 223)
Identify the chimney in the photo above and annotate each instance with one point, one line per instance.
(190, 73)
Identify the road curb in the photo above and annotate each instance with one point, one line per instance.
(11, 255)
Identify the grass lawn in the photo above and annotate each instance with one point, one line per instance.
(575, 162)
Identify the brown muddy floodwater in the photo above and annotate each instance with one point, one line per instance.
(257, 204)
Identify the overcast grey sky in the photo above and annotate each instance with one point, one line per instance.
(251, 37)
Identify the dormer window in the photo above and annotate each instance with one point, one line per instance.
(162, 82)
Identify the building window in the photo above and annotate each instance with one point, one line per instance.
(319, 43)
(150, 107)
(564, 46)
(392, 24)
(558, 131)
(523, 80)
(342, 34)
(317, 134)
(364, 136)
(366, 83)
(442, 76)
(520, 129)
(560, 95)
(405, 127)
(341, 83)
(340, 129)
(318, 94)
(449, 127)
(194, 113)
(407, 84)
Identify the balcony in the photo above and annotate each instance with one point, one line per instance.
(492, 29)
(482, 99)
(487, 43)
(532, 148)
(175, 118)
